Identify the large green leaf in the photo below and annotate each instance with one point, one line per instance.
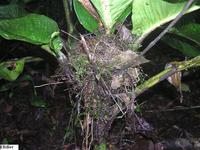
(184, 47)
(32, 28)
(179, 1)
(12, 11)
(11, 70)
(176, 1)
(190, 31)
(147, 15)
(125, 14)
(88, 21)
(112, 11)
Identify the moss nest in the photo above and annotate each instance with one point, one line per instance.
(106, 72)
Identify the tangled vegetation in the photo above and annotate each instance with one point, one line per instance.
(97, 58)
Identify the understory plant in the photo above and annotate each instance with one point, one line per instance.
(105, 67)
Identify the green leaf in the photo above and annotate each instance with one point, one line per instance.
(55, 42)
(179, 1)
(181, 45)
(102, 146)
(38, 101)
(16, 84)
(88, 21)
(138, 109)
(12, 11)
(6, 141)
(185, 87)
(125, 14)
(32, 28)
(190, 31)
(147, 15)
(175, 1)
(112, 11)
(11, 70)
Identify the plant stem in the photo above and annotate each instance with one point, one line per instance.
(179, 66)
(70, 26)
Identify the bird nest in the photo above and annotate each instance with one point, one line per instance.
(106, 72)
(108, 58)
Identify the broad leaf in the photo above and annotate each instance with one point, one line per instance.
(12, 11)
(24, 81)
(179, 1)
(88, 21)
(190, 31)
(186, 32)
(184, 47)
(112, 11)
(32, 28)
(125, 14)
(147, 15)
(175, 1)
(11, 70)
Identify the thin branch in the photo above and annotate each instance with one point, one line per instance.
(70, 35)
(178, 17)
(47, 84)
(173, 109)
(179, 66)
